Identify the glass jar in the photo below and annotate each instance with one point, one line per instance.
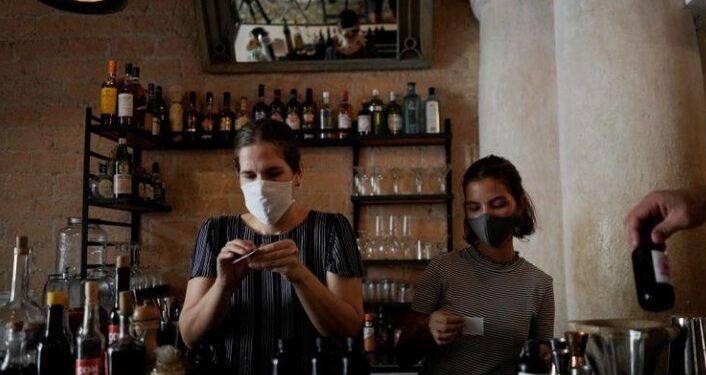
(68, 254)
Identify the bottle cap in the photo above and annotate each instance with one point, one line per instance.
(125, 302)
(368, 316)
(56, 298)
(21, 245)
(112, 66)
(91, 290)
(432, 91)
(122, 261)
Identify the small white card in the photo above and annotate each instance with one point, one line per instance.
(246, 256)
(473, 326)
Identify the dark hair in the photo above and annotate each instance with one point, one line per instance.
(505, 172)
(273, 132)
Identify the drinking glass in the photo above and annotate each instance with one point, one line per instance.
(439, 174)
(376, 178)
(361, 181)
(418, 174)
(396, 176)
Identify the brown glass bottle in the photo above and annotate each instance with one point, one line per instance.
(126, 102)
(210, 119)
(140, 99)
(226, 121)
(191, 119)
(653, 282)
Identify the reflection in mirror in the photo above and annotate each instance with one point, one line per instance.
(283, 35)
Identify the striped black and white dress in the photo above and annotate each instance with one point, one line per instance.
(265, 307)
(515, 301)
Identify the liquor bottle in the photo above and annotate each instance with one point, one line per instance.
(126, 99)
(369, 335)
(149, 110)
(377, 115)
(344, 116)
(383, 332)
(364, 120)
(326, 125)
(122, 284)
(324, 362)
(122, 179)
(354, 362)
(15, 361)
(285, 362)
(159, 186)
(294, 111)
(653, 281)
(277, 110)
(394, 115)
(160, 117)
(288, 38)
(530, 361)
(176, 114)
(103, 183)
(226, 121)
(309, 115)
(139, 97)
(210, 120)
(242, 118)
(90, 342)
(260, 110)
(412, 106)
(432, 122)
(126, 356)
(577, 342)
(191, 119)
(109, 95)
(21, 307)
(54, 349)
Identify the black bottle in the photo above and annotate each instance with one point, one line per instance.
(285, 362)
(122, 284)
(325, 362)
(353, 360)
(652, 279)
(54, 349)
(260, 110)
(126, 356)
(530, 361)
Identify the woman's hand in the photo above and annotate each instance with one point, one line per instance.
(281, 257)
(231, 274)
(444, 326)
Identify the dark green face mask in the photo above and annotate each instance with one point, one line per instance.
(492, 230)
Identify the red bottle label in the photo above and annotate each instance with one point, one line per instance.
(113, 333)
(89, 366)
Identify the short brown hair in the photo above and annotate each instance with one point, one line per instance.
(273, 132)
(504, 171)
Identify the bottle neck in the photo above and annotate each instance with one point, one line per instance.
(15, 355)
(122, 281)
(55, 320)
(124, 326)
(90, 318)
(19, 274)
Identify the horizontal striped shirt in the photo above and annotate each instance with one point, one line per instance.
(265, 307)
(515, 301)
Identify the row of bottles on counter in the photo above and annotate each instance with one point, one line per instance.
(123, 178)
(568, 356)
(125, 102)
(328, 359)
(380, 337)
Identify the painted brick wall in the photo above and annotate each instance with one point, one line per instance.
(51, 66)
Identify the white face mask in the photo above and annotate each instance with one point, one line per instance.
(268, 200)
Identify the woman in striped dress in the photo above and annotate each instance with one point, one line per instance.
(475, 307)
(304, 280)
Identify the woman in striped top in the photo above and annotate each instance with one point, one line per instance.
(304, 280)
(475, 307)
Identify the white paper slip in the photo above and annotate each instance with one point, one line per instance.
(246, 256)
(473, 326)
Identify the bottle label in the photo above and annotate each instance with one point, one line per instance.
(109, 100)
(326, 122)
(241, 121)
(344, 121)
(225, 124)
(376, 108)
(364, 124)
(88, 366)
(661, 267)
(369, 339)
(260, 115)
(176, 112)
(207, 125)
(156, 125)
(105, 188)
(432, 117)
(309, 117)
(293, 121)
(394, 123)
(113, 333)
(277, 116)
(141, 190)
(125, 105)
(122, 183)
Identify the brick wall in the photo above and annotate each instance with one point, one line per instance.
(51, 66)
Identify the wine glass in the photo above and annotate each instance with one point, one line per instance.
(361, 181)
(439, 174)
(396, 175)
(418, 173)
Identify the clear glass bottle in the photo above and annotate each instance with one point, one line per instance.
(432, 122)
(102, 184)
(394, 115)
(412, 107)
(90, 342)
(325, 119)
(122, 179)
(21, 308)
(344, 116)
(15, 361)
(126, 356)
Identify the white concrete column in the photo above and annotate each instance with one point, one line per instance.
(631, 115)
(517, 118)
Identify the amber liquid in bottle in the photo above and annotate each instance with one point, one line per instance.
(109, 96)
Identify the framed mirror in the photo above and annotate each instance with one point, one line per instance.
(245, 36)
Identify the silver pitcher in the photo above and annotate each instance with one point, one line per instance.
(626, 347)
(687, 355)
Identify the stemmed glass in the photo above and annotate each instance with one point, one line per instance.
(418, 173)
(376, 178)
(361, 181)
(439, 174)
(396, 176)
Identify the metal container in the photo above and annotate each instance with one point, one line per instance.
(687, 354)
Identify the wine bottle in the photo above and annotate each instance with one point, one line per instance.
(54, 349)
(90, 342)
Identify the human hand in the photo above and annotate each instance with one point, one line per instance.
(444, 326)
(669, 210)
(229, 272)
(281, 257)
